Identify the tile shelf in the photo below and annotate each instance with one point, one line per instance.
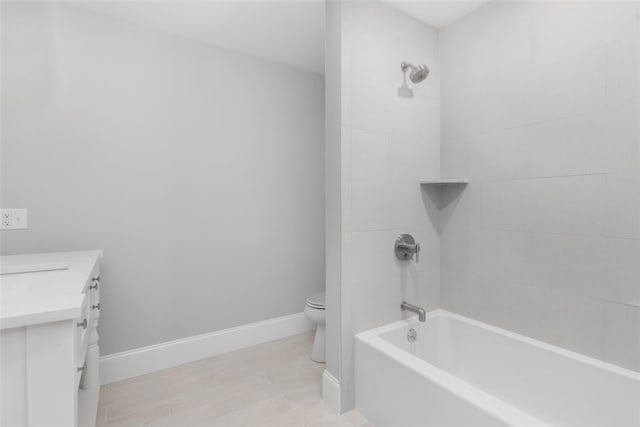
(444, 181)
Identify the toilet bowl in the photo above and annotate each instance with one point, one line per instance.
(314, 310)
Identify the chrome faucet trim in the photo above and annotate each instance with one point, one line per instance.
(406, 247)
(422, 315)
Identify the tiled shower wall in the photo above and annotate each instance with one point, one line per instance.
(388, 144)
(540, 110)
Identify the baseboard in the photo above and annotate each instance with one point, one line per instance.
(331, 391)
(140, 361)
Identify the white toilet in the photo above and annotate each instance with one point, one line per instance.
(314, 309)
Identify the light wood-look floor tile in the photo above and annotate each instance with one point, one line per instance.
(270, 385)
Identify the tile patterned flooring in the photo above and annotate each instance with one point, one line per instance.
(270, 385)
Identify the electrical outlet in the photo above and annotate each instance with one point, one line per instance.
(13, 219)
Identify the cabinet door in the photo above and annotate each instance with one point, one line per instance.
(51, 374)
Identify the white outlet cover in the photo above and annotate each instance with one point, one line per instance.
(13, 219)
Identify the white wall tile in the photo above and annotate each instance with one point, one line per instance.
(623, 206)
(623, 336)
(500, 101)
(417, 116)
(566, 205)
(623, 70)
(375, 297)
(623, 133)
(540, 106)
(624, 264)
(568, 86)
(606, 269)
(418, 285)
(342, 34)
(565, 263)
(525, 152)
(415, 214)
(370, 80)
(460, 55)
(371, 206)
(369, 155)
(504, 47)
(370, 110)
(521, 93)
(455, 158)
(413, 157)
(566, 320)
(394, 143)
(456, 120)
(583, 144)
(408, 207)
(563, 319)
(565, 28)
(345, 178)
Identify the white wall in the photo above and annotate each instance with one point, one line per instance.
(199, 171)
(540, 109)
(388, 144)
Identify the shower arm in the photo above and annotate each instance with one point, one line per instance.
(405, 66)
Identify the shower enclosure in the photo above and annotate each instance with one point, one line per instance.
(513, 159)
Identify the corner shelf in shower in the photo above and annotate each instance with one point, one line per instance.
(444, 181)
(442, 192)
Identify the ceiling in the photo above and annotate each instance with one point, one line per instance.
(290, 32)
(438, 13)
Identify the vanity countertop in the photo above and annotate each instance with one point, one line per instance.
(39, 288)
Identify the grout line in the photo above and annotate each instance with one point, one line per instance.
(506, 282)
(585, 236)
(481, 180)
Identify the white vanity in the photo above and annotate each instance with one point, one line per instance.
(49, 355)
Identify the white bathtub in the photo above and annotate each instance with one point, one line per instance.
(461, 372)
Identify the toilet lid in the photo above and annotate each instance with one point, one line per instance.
(316, 300)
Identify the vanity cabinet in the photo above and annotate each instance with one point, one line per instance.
(49, 353)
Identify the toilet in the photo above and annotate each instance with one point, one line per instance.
(314, 310)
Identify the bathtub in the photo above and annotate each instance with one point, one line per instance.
(461, 372)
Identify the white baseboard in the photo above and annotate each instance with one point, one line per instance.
(331, 391)
(140, 361)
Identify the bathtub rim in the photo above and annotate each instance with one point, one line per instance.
(469, 393)
(597, 363)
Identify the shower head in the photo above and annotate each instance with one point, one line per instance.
(417, 74)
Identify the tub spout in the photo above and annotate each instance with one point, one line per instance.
(422, 315)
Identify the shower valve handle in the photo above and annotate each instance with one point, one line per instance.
(406, 247)
(412, 249)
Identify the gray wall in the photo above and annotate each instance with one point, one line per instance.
(541, 111)
(199, 171)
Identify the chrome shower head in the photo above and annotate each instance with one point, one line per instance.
(417, 74)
